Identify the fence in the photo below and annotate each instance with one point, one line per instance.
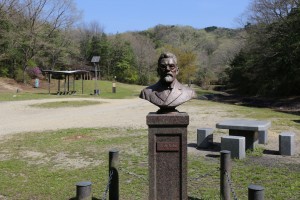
(255, 192)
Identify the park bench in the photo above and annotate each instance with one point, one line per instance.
(246, 128)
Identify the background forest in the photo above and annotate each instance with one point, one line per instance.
(261, 58)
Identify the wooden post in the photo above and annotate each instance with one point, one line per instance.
(65, 83)
(225, 170)
(82, 83)
(84, 191)
(68, 83)
(58, 86)
(114, 174)
(74, 83)
(255, 192)
(49, 77)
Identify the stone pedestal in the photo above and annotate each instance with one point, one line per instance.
(167, 156)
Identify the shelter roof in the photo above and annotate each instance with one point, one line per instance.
(66, 71)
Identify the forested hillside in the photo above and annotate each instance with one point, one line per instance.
(260, 58)
(269, 63)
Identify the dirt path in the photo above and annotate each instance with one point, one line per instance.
(19, 116)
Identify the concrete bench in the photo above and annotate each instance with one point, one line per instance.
(234, 144)
(204, 137)
(246, 128)
(287, 143)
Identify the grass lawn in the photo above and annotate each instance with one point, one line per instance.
(48, 165)
(123, 91)
(105, 87)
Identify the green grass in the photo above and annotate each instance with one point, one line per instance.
(12, 96)
(105, 87)
(280, 182)
(47, 165)
(59, 104)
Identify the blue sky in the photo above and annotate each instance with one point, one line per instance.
(118, 16)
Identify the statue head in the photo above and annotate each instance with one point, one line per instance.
(167, 67)
(167, 93)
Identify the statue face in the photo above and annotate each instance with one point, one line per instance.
(167, 70)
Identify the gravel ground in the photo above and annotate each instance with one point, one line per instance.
(19, 116)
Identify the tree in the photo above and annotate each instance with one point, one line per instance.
(269, 11)
(270, 63)
(123, 61)
(145, 55)
(37, 21)
(186, 61)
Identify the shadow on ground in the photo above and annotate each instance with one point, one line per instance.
(271, 152)
(213, 148)
(93, 198)
(285, 105)
(194, 198)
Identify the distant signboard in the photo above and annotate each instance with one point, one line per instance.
(95, 59)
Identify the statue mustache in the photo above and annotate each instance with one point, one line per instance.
(169, 74)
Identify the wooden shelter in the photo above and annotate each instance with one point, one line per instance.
(66, 76)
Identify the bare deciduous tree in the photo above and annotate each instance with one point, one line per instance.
(145, 53)
(268, 11)
(38, 22)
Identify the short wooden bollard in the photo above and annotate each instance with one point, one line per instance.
(84, 191)
(255, 192)
(114, 174)
(225, 170)
(114, 89)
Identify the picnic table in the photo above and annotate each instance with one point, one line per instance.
(246, 128)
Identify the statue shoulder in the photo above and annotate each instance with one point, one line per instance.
(146, 92)
(189, 91)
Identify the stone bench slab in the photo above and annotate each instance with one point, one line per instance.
(244, 125)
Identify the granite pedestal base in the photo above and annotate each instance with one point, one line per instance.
(167, 156)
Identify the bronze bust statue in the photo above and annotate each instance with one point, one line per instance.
(167, 93)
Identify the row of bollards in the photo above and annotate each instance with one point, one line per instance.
(84, 189)
(255, 192)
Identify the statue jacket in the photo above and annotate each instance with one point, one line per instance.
(176, 96)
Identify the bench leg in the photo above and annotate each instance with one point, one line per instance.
(251, 137)
(263, 137)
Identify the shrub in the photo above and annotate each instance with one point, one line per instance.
(34, 72)
(20, 77)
